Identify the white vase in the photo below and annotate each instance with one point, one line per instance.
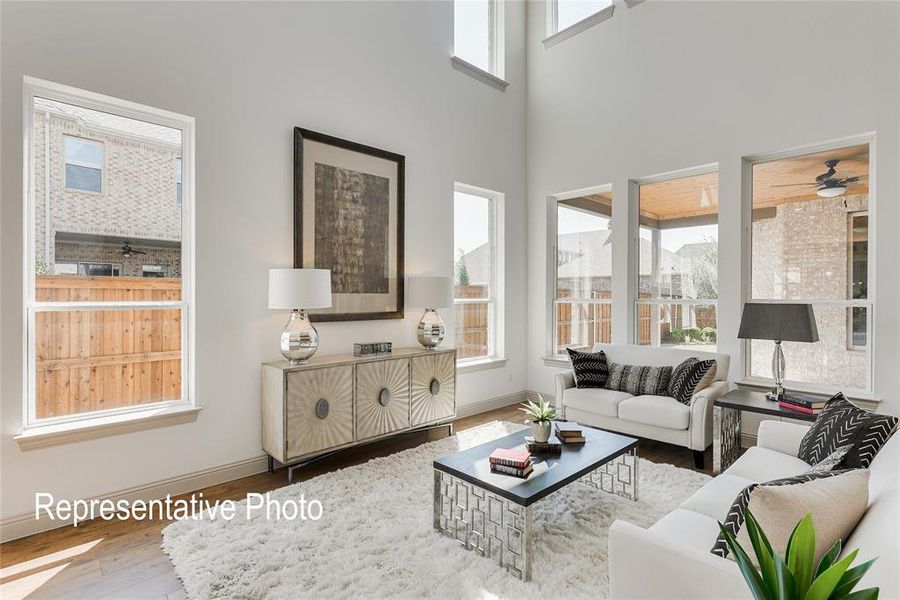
(540, 431)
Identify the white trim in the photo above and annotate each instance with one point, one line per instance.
(557, 362)
(747, 163)
(26, 524)
(110, 423)
(33, 87)
(555, 37)
(464, 66)
(475, 408)
(826, 391)
(494, 75)
(471, 365)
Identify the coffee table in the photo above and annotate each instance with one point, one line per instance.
(491, 514)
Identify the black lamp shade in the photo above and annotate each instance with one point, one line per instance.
(780, 322)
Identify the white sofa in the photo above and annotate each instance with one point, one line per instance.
(672, 558)
(659, 418)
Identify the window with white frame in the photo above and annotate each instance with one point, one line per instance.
(478, 274)
(563, 14)
(582, 297)
(677, 287)
(101, 338)
(478, 34)
(810, 244)
(84, 164)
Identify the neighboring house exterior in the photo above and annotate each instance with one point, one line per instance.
(100, 181)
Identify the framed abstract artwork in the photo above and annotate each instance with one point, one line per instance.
(348, 217)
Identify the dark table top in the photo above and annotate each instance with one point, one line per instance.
(550, 472)
(756, 402)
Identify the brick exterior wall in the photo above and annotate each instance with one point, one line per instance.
(137, 202)
(803, 254)
(73, 252)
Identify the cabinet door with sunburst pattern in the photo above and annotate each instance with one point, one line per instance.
(433, 388)
(382, 397)
(319, 409)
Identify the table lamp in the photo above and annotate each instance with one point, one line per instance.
(779, 323)
(296, 290)
(430, 293)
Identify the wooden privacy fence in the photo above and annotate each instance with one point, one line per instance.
(471, 322)
(90, 360)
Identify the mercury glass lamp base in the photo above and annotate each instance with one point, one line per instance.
(431, 329)
(299, 340)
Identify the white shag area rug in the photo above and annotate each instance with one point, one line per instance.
(375, 538)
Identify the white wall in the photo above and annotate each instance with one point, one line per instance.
(670, 85)
(377, 73)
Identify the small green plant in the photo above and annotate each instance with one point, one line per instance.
(542, 412)
(41, 267)
(795, 576)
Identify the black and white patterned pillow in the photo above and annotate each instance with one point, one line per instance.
(830, 462)
(842, 424)
(591, 370)
(637, 380)
(687, 378)
(735, 518)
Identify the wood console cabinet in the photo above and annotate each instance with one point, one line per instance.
(335, 402)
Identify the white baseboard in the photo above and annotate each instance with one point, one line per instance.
(26, 524)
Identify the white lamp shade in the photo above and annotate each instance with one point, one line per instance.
(299, 288)
(429, 292)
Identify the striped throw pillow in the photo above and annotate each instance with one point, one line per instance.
(689, 377)
(591, 370)
(637, 380)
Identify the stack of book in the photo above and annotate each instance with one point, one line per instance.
(807, 405)
(552, 446)
(569, 433)
(511, 462)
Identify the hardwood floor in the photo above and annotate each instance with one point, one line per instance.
(123, 559)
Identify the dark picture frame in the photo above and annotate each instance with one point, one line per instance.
(371, 224)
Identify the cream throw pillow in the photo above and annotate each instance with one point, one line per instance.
(837, 504)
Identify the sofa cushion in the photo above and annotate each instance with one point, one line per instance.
(591, 370)
(762, 464)
(633, 354)
(638, 380)
(840, 424)
(594, 400)
(689, 377)
(716, 497)
(661, 411)
(688, 527)
(837, 500)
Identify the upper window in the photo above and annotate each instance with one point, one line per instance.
(678, 281)
(810, 232)
(84, 164)
(178, 180)
(570, 12)
(102, 336)
(478, 34)
(477, 272)
(582, 303)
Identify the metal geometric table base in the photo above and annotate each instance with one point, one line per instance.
(726, 437)
(484, 522)
(500, 529)
(619, 476)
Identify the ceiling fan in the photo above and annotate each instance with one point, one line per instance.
(829, 185)
(127, 250)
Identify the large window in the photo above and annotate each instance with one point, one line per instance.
(582, 303)
(84, 164)
(478, 34)
(101, 337)
(810, 233)
(478, 278)
(678, 272)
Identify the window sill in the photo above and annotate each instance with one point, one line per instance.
(481, 364)
(64, 433)
(557, 362)
(761, 384)
(583, 25)
(478, 73)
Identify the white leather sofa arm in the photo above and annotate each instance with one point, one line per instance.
(564, 381)
(645, 565)
(781, 437)
(702, 414)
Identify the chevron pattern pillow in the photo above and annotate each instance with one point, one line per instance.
(689, 377)
(639, 381)
(591, 370)
(843, 424)
(771, 509)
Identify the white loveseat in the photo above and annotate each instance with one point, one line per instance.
(659, 418)
(672, 559)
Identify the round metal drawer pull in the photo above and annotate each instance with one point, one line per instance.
(322, 408)
(435, 387)
(384, 396)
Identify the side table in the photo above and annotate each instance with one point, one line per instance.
(727, 411)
